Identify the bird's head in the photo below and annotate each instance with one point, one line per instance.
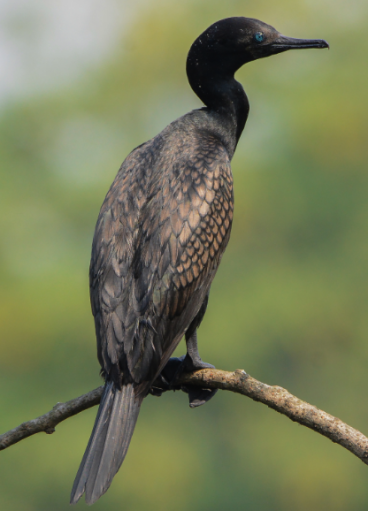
(232, 42)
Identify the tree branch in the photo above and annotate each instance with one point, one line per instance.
(275, 397)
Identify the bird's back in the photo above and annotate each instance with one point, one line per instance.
(159, 238)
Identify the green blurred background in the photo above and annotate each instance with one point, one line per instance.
(289, 302)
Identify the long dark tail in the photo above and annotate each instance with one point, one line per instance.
(108, 444)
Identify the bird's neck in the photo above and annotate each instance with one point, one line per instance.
(223, 95)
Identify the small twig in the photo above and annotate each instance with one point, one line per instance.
(275, 397)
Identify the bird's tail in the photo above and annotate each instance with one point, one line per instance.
(108, 444)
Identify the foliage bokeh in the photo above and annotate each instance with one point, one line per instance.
(288, 304)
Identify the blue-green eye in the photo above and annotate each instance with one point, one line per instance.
(258, 37)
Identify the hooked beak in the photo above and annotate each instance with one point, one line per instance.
(283, 43)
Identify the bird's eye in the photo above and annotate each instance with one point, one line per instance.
(258, 37)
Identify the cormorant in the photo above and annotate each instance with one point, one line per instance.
(159, 238)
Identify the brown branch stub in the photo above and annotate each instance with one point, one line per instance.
(275, 397)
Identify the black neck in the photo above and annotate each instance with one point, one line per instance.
(217, 88)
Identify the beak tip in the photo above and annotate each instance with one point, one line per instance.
(284, 43)
(325, 44)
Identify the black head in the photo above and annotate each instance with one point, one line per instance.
(221, 50)
(232, 42)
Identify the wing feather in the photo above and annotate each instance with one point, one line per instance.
(159, 238)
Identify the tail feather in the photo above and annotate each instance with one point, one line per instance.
(108, 444)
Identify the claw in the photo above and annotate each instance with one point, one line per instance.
(198, 396)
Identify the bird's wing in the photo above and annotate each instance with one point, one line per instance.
(159, 239)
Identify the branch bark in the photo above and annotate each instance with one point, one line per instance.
(240, 382)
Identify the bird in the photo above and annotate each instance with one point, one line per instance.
(159, 239)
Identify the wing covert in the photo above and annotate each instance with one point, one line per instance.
(158, 242)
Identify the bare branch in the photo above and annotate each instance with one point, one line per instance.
(282, 401)
(275, 397)
(47, 422)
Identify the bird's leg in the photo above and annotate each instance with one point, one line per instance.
(166, 380)
(192, 360)
(188, 363)
(163, 386)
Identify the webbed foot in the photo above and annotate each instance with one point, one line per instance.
(160, 386)
(187, 363)
(197, 396)
(173, 370)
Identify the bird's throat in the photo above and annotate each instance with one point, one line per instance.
(221, 93)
